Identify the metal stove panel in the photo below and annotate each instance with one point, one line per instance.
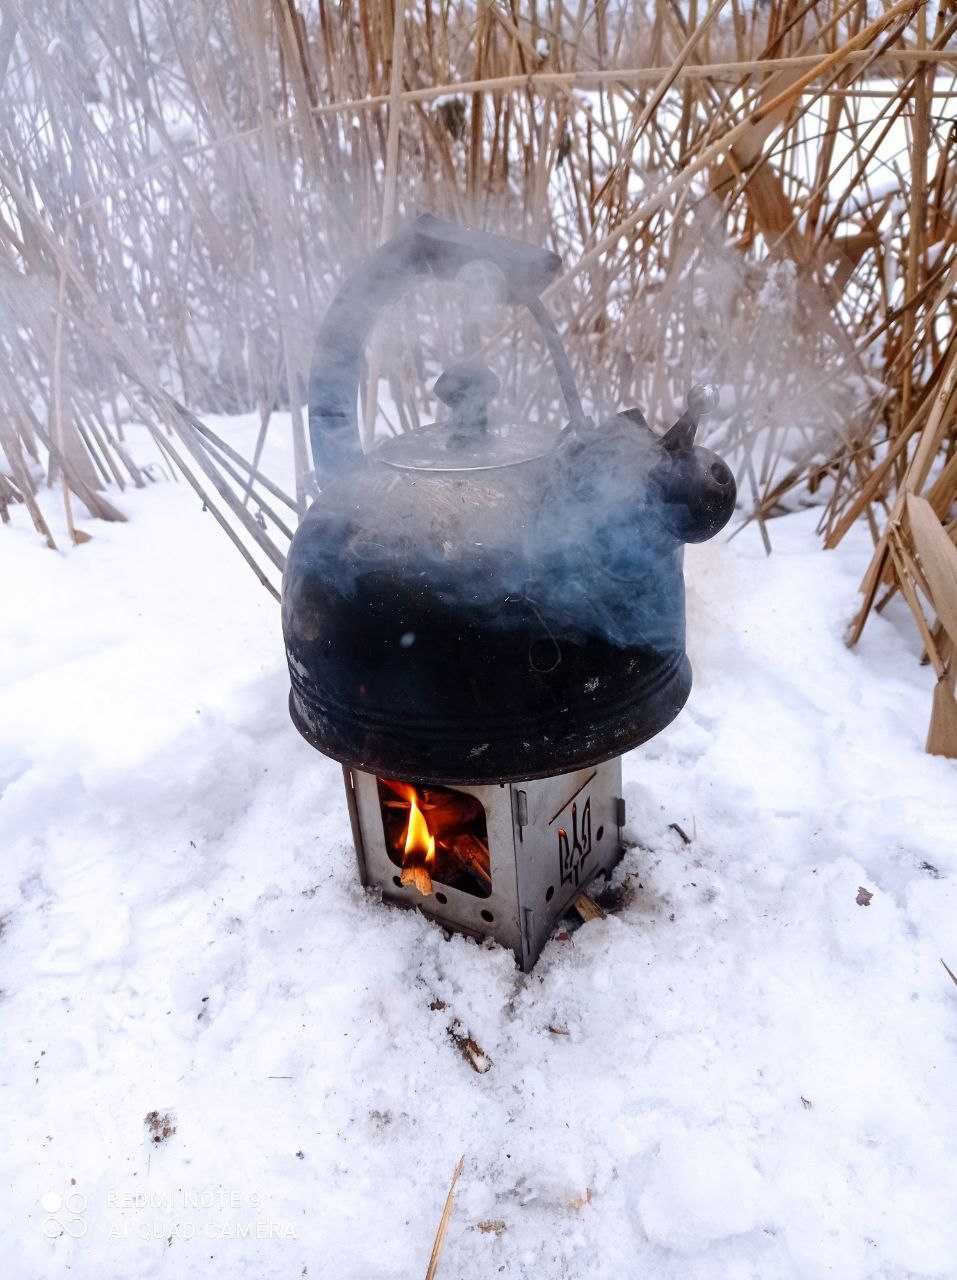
(573, 831)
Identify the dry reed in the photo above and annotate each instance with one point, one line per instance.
(182, 186)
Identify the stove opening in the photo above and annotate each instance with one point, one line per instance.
(436, 833)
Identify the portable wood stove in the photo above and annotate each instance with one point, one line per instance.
(503, 861)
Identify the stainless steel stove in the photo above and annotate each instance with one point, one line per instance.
(504, 861)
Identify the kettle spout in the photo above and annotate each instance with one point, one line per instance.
(701, 400)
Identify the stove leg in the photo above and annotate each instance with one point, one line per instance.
(356, 825)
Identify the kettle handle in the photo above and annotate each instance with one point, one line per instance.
(429, 247)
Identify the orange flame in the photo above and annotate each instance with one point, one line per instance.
(418, 838)
(419, 852)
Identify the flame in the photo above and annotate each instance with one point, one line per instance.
(419, 852)
(418, 838)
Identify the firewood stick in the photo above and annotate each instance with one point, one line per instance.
(470, 855)
(588, 908)
(417, 877)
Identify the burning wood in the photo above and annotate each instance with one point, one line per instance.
(417, 878)
(470, 855)
(418, 854)
(436, 833)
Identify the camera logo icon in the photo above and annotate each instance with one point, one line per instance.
(63, 1215)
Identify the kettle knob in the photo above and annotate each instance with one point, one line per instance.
(467, 387)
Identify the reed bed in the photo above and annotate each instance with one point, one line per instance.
(759, 195)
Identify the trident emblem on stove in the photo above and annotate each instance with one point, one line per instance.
(573, 852)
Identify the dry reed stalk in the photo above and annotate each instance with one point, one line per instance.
(57, 428)
(432, 1269)
(387, 220)
(938, 557)
(13, 450)
(210, 506)
(284, 273)
(938, 560)
(914, 479)
(395, 122)
(592, 78)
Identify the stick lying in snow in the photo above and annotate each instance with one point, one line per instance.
(444, 1221)
(588, 908)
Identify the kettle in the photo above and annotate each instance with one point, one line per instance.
(476, 602)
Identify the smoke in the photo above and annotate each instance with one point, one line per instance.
(762, 331)
(581, 542)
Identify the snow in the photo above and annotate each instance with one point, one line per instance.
(740, 1072)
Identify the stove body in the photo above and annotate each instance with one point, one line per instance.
(547, 840)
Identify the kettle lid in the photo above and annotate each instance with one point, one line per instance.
(440, 448)
(468, 441)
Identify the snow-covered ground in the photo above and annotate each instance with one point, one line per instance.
(742, 1072)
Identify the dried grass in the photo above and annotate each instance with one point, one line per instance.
(182, 186)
